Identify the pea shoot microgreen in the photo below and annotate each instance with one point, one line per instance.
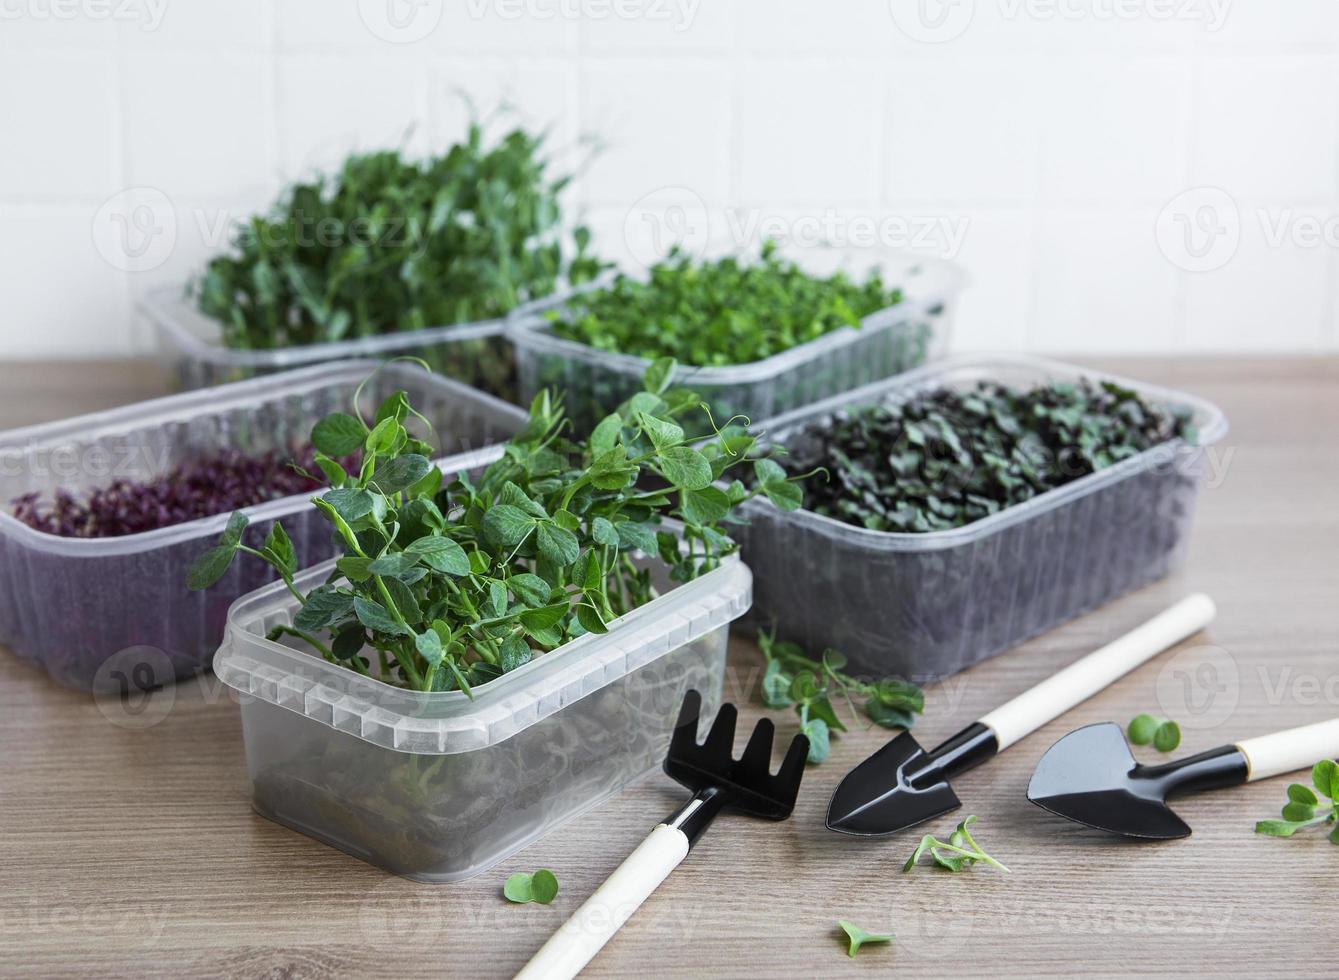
(1307, 807)
(958, 853)
(794, 679)
(540, 887)
(1162, 733)
(450, 584)
(858, 937)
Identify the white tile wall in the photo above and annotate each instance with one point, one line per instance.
(1047, 146)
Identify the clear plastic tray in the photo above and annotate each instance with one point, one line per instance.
(925, 606)
(438, 787)
(889, 341)
(192, 355)
(101, 613)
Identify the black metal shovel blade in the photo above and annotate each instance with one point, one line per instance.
(878, 797)
(1091, 776)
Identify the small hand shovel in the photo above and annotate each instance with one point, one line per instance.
(718, 781)
(1090, 776)
(902, 785)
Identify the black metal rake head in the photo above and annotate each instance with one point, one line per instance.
(745, 784)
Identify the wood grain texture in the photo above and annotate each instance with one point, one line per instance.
(133, 851)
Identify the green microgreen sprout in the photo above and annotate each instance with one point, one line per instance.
(1307, 807)
(540, 887)
(448, 584)
(1162, 733)
(794, 679)
(858, 937)
(721, 312)
(958, 853)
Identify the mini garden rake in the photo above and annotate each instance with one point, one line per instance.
(718, 781)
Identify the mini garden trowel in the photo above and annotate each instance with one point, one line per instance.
(718, 781)
(902, 785)
(1090, 776)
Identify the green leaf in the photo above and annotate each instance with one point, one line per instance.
(441, 553)
(821, 708)
(506, 525)
(776, 686)
(374, 616)
(338, 434)
(543, 886)
(1277, 828)
(394, 564)
(1334, 835)
(383, 437)
(819, 742)
(634, 535)
(544, 617)
(1167, 737)
(232, 533)
(1298, 793)
(1142, 729)
(323, 607)
(767, 471)
(784, 495)
(401, 473)
(590, 619)
(602, 532)
(518, 888)
(348, 642)
(605, 435)
(1298, 812)
(886, 716)
(404, 599)
(658, 375)
(662, 433)
(278, 545)
(351, 503)
(705, 506)
(530, 589)
(515, 652)
(429, 646)
(804, 686)
(686, 468)
(1325, 777)
(557, 544)
(859, 937)
(210, 567)
(355, 569)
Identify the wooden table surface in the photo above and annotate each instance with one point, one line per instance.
(128, 850)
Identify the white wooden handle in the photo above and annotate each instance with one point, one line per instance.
(1297, 748)
(603, 914)
(1081, 680)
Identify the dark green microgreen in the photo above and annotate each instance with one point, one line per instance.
(1308, 806)
(452, 583)
(794, 679)
(1162, 733)
(523, 888)
(943, 458)
(958, 853)
(857, 937)
(388, 243)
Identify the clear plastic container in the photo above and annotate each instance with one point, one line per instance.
(102, 613)
(888, 341)
(924, 606)
(438, 787)
(192, 354)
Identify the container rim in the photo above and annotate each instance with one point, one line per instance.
(1210, 421)
(446, 722)
(168, 309)
(529, 328)
(219, 398)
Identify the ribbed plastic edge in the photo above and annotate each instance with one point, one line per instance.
(448, 722)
